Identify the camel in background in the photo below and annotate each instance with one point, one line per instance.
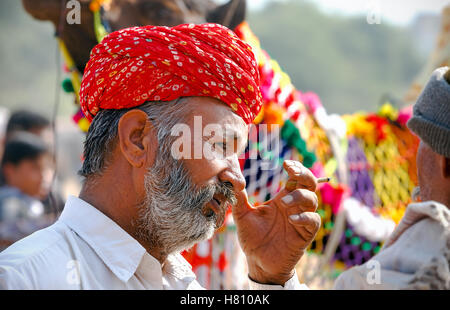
(118, 14)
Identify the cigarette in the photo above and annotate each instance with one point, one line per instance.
(323, 180)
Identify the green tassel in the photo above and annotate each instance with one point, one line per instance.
(291, 135)
(67, 85)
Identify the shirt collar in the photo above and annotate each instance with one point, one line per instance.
(118, 250)
(179, 267)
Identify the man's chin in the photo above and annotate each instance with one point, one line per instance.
(208, 234)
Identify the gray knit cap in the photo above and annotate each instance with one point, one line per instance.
(431, 113)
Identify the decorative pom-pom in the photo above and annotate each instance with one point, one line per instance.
(67, 86)
(84, 124)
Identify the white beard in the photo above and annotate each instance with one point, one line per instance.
(171, 217)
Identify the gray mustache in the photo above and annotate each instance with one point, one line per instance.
(226, 189)
(223, 188)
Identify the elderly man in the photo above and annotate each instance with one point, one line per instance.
(146, 197)
(417, 254)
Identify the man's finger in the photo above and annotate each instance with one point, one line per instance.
(299, 176)
(300, 200)
(307, 224)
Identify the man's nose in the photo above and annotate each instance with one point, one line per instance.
(233, 175)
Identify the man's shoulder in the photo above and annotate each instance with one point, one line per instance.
(423, 220)
(35, 244)
(420, 238)
(33, 258)
(431, 209)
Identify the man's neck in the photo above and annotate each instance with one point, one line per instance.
(115, 205)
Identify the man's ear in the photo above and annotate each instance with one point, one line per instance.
(137, 138)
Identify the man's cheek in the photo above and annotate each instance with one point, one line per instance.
(202, 170)
(425, 172)
(419, 161)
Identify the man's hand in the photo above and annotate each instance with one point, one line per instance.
(275, 235)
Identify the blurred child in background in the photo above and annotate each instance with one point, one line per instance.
(32, 122)
(25, 169)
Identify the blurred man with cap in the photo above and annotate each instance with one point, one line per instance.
(417, 254)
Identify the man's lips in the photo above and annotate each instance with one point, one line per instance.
(216, 206)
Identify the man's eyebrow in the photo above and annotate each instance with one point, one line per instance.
(237, 136)
(231, 133)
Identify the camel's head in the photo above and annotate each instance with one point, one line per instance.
(80, 39)
(125, 13)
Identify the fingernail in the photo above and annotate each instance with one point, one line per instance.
(287, 199)
(297, 169)
(294, 217)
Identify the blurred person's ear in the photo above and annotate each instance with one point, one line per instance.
(8, 170)
(445, 167)
(2, 145)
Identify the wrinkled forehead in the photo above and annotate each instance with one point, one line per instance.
(207, 113)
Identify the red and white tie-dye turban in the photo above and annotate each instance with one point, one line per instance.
(158, 63)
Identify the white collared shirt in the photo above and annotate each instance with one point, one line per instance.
(85, 249)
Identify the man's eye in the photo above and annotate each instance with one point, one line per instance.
(222, 145)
